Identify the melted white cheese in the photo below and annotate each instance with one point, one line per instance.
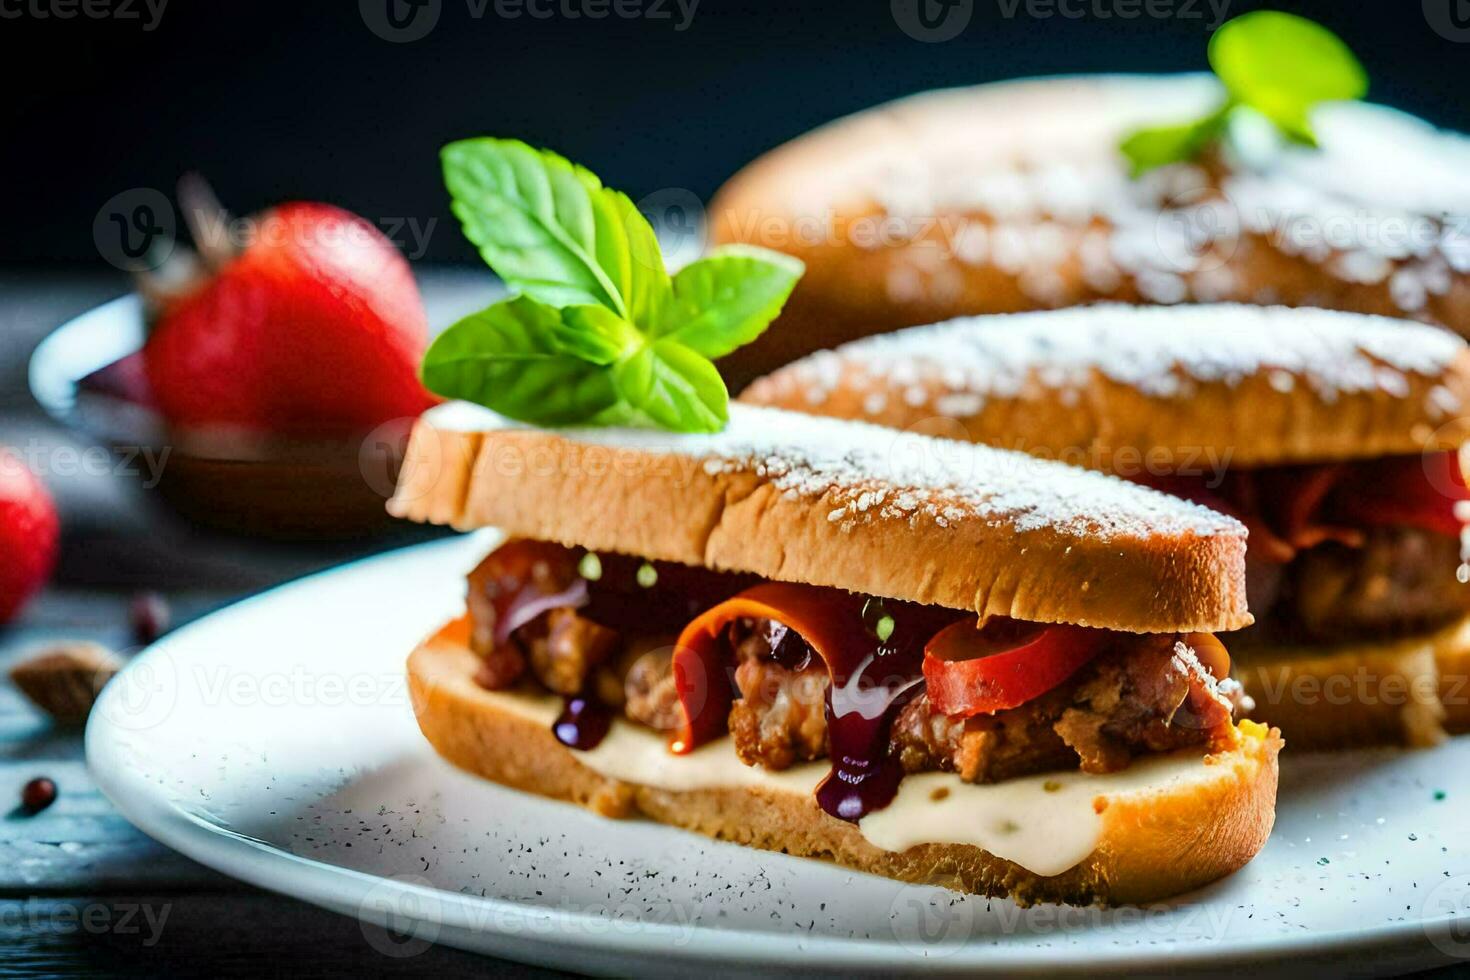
(635, 754)
(1047, 824)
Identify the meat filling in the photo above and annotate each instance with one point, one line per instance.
(1151, 695)
(651, 695)
(565, 649)
(615, 643)
(1401, 579)
(780, 717)
(1146, 694)
(492, 586)
(570, 655)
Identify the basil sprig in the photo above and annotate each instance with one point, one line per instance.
(1279, 65)
(598, 333)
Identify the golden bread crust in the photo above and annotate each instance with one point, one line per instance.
(1410, 691)
(966, 201)
(1452, 652)
(1133, 390)
(996, 533)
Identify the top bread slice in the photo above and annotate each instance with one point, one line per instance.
(1171, 387)
(827, 502)
(1014, 196)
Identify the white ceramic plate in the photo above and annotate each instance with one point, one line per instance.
(274, 742)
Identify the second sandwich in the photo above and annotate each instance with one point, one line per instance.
(1333, 437)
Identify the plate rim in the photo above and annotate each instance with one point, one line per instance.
(341, 889)
(42, 371)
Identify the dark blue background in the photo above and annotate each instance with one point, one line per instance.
(300, 99)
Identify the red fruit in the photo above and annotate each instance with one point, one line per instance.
(126, 379)
(316, 328)
(28, 533)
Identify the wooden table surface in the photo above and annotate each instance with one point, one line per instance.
(81, 891)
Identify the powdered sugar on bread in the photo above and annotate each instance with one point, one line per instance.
(1382, 198)
(1162, 352)
(862, 472)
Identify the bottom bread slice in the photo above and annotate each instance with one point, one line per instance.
(1203, 820)
(1452, 652)
(1409, 691)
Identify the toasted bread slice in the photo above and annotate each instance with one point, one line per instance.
(1114, 386)
(857, 507)
(1165, 827)
(1385, 693)
(1452, 653)
(1014, 196)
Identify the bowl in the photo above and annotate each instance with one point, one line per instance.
(240, 482)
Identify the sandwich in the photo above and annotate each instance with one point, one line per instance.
(931, 661)
(1335, 438)
(1017, 196)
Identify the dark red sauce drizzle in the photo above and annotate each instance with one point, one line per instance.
(864, 776)
(787, 648)
(873, 651)
(583, 723)
(524, 573)
(522, 570)
(871, 681)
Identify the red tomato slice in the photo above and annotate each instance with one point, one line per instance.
(1406, 491)
(973, 669)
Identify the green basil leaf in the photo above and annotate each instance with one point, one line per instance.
(1281, 65)
(674, 387)
(728, 298)
(552, 231)
(1157, 146)
(595, 333)
(511, 358)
